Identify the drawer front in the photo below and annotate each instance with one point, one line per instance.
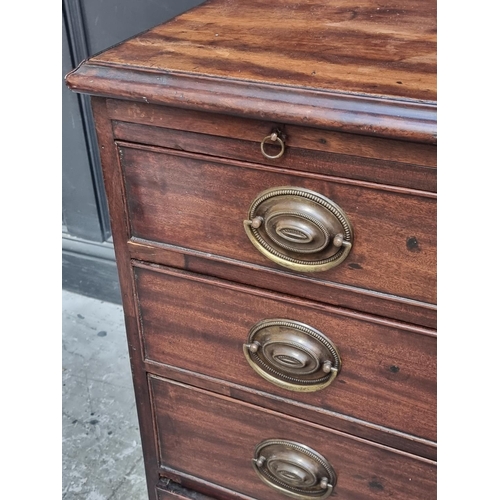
(214, 438)
(365, 158)
(387, 374)
(200, 203)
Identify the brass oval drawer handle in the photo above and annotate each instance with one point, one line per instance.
(294, 469)
(274, 137)
(292, 355)
(299, 229)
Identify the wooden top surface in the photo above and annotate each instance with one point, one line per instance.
(360, 48)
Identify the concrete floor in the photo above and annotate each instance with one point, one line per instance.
(101, 446)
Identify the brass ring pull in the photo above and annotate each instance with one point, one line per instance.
(274, 138)
(299, 229)
(292, 355)
(293, 469)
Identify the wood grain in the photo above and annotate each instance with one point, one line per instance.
(200, 203)
(388, 374)
(120, 230)
(368, 301)
(344, 423)
(344, 65)
(342, 45)
(300, 159)
(180, 112)
(213, 437)
(245, 129)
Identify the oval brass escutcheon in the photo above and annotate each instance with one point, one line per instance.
(294, 469)
(292, 355)
(299, 229)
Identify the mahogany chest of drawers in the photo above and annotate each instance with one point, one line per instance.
(270, 169)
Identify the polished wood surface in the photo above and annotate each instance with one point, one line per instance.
(381, 49)
(281, 280)
(180, 111)
(213, 437)
(394, 249)
(388, 371)
(367, 430)
(326, 152)
(357, 67)
(303, 137)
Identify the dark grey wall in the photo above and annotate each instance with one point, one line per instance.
(89, 27)
(111, 21)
